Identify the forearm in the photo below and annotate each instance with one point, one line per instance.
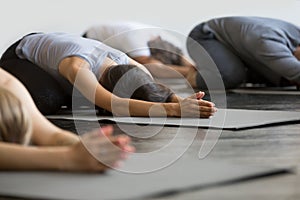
(17, 157)
(85, 155)
(186, 66)
(164, 71)
(62, 138)
(182, 70)
(132, 107)
(155, 110)
(161, 70)
(156, 68)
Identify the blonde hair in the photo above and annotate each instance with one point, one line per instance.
(15, 122)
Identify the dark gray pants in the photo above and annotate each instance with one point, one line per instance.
(45, 90)
(214, 61)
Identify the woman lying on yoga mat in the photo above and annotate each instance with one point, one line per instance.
(21, 124)
(146, 44)
(95, 69)
(247, 49)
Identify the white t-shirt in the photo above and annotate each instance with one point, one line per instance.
(128, 37)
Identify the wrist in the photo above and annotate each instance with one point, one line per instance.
(67, 159)
(51, 158)
(172, 109)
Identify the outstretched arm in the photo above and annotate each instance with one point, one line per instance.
(161, 70)
(70, 152)
(77, 71)
(96, 152)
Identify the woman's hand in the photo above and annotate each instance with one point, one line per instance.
(297, 53)
(97, 151)
(195, 106)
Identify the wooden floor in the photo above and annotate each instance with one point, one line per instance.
(267, 146)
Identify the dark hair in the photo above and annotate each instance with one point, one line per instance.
(84, 35)
(165, 52)
(129, 81)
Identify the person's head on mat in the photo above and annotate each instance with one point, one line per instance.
(129, 81)
(165, 51)
(81, 62)
(259, 55)
(50, 147)
(159, 50)
(15, 122)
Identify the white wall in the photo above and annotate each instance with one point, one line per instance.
(19, 17)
